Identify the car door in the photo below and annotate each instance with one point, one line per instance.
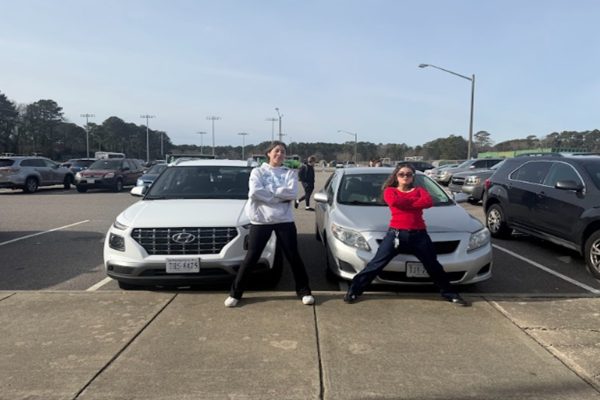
(523, 187)
(55, 174)
(44, 170)
(558, 211)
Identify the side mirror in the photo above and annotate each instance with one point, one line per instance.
(569, 185)
(321, 197)
(138, 191)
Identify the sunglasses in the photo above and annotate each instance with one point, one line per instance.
(407, 175)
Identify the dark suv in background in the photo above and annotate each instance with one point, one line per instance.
(114, 174)
(552, 198)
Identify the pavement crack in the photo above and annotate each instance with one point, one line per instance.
(321, 385)
(125, 346)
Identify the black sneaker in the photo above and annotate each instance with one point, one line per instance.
(296, 203)
(455, 298)
(350, 298)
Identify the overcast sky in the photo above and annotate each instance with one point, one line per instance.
(328, 65)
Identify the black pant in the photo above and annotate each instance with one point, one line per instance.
(288, 241)
(308, 189)
(416, 242)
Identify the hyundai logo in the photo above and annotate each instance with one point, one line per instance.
(183, 237)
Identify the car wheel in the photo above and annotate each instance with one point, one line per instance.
(129, 286)
(31, 185)
(68, 182)
(592, 254)
(118, 185)
(496, 222)
(82, 189)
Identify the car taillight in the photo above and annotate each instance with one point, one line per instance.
(487, 183)
(9, 170)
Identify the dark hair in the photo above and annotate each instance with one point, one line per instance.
(392, 180)
(311, 158)
(273, 145)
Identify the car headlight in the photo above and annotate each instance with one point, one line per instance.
(139, 182)
(473, 180)
(78, 175)
(116, 242)
(479, 239)
(350, 237)
(109, 175)
(119, 226)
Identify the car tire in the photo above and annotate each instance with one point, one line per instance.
(495, 221)
(592, 254)
(68, 182)
(82, 189)
(31, 185)
(473, 201)
(118, 186)
(329, 263)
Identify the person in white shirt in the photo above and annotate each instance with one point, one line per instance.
(272, 190)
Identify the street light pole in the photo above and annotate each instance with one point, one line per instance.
(147, 136)
(243, 135)
(355, 142)
(213, 118)
(201, 141)
(280, 115)
(87, 132)
(273, 120)
(472, 79)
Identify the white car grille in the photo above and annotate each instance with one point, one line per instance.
(172, 241)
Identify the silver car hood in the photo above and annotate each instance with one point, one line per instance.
(449, 218)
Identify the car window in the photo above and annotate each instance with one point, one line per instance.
(532, 172)
(366, 189)
(594, 170)
(49, 163)
(480, 164)
(201, 182)
(157, 169)
(561, 172)
(32, 162)
(6, 162)
(106, 164)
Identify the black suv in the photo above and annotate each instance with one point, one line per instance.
(553, 198)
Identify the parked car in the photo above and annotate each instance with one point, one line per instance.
(78, 164)
(29, 173)
(352, 219)
(150, 175)
(113, 173)
(445, 175)
(472, 183)
(552, 198)
(190, 227)
(421, 165)
(432, 172)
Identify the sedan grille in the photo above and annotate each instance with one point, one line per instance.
(172, 241)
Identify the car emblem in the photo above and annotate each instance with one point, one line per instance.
(183, 237)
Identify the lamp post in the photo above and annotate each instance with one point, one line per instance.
(472, 79)
(273, 120)
(87, 133)
(201, 142)
(279, 115)
(213, 118)
(147, 136)
(243, 135)
(355, 142)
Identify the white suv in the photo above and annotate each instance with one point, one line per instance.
(190, 227)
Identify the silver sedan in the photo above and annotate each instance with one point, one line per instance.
(352, 219)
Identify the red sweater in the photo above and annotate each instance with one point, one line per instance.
(407, 207)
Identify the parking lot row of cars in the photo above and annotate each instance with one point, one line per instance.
(29, 173)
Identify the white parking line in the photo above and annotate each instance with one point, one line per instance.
(548, 270)
(41, 233)
(98, 285)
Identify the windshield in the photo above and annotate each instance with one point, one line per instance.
(366, 189)
(156, 169)
(106, 164)
(201, 182)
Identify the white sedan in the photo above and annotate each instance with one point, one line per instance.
(352, 219)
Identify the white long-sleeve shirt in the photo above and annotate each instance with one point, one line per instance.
(272, 191)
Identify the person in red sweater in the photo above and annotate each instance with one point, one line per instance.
(407, 234)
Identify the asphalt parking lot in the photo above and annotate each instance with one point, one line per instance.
(68, 332)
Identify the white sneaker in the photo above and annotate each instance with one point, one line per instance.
(231, 302)
(308, 300)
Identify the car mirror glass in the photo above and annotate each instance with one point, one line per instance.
(321, 197)
(138, 191)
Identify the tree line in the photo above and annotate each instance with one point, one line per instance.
(41, 128)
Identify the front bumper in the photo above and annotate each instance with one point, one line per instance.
(462, 267)
(97, 182)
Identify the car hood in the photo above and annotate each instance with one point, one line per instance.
(184, 213)
(452, 218)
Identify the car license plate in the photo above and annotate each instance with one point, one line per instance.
(183, 265)
(90, 181)
(416, 270)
